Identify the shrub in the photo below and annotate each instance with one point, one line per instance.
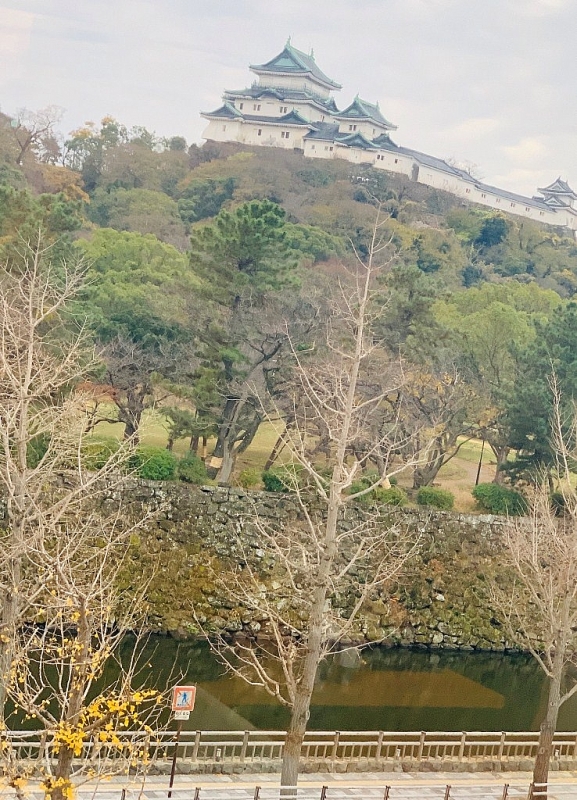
(153, 463)
(394, 496)
(438, 498)
(96, 452)
(281, 479)
(249, 477)
(36, 449)
(558, 503)
(496, 499)
(191, 469)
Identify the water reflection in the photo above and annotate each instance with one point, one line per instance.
(383, 689)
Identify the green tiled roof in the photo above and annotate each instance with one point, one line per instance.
(356, 140)
(281, 93)
(293, 61)
(226, 111)
(361, 109)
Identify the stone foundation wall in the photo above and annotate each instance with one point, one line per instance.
(441, 603)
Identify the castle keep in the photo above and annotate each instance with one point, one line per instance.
(291, 106)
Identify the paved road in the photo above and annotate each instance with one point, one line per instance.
(404, 786)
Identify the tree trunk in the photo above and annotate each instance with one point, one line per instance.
(549, 725)
(194, 440)
(274, 453)
(501, 454)
(61, 786)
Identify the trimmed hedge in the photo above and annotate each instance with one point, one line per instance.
(281, 479)
(438, 498)
(394, 496)
(496, 499)
(153, 463)
(249, 478)
(191, 469)
(96, 452)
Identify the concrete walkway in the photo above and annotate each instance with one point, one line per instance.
(404, 786)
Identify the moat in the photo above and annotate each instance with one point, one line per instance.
(383, 689)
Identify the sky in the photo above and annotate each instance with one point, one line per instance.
(488, 83)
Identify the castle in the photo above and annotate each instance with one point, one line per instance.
(292, 106)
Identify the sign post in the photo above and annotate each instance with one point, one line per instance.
(183, 698)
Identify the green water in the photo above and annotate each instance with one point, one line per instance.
(383, 689)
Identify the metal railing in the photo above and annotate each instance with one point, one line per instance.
(433, 792)
(320, 748)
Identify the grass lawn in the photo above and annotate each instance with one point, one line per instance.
(458, 475)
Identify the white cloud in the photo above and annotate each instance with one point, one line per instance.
(472, 129)
(14, 30)
(527, 149)
(541, 8)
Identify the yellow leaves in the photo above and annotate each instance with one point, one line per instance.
(69, 737)
(49, 784)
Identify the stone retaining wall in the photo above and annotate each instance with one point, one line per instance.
(441, 603)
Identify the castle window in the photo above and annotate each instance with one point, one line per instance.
(541, 213)
(497, 199)
(352, 127)
(467, 191)
(285, 134)
(512, 205)
(323, 118)
(527, 208)
(283, 109)
(241, 106)
(483, 196)
(224, 127)
(259, 132)
(256, 106)
(331, 149)
(396, 160)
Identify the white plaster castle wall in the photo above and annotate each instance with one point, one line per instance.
(354, 154)
(222, 130)
(394, 162)
(316, 148)
(369, 129)
(271, 136)
(275, 108)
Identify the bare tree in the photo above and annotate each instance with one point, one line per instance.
(60, 552)
(324, 570)
(33, 129)
(537, 593)
(60, 668)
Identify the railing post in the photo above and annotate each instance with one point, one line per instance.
(505, 792)
(421, 745)
(336, 743)
(462, 745)
(575, 748)
(448, 792)
(324, 791)
(380, 745)
(244, 747)
(196, 794)
(530, 795)
(502, 745)
(257, 793)
(387, 793)
(196, 747)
